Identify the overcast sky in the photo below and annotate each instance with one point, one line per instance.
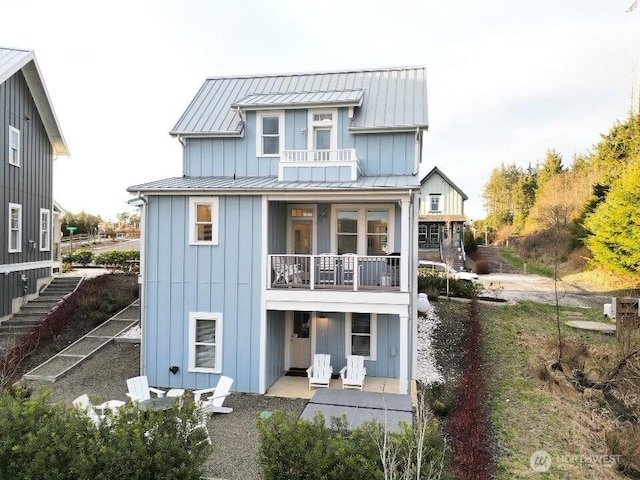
(507, 79)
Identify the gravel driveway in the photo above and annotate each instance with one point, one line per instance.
(536, 288)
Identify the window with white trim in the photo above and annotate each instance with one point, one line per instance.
(269, 133)
(45, 230)
(361, 334)
(14, 146)
(205, 342)
(203, 220)
(434, 202)
(15, 228)
(363, 230)
(322, 130)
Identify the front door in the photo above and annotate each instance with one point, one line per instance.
(300, 351)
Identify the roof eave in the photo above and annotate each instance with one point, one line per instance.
(396, 128)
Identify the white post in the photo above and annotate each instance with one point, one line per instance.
(405, 247)
(404, 354)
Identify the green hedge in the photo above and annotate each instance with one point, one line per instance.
(429, 282)
(41, 440)
(295, 449)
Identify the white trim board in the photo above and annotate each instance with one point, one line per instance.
(16, 267)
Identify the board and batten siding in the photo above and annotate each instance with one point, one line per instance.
(29, 185)
(201, 278)
(452, 202)
(276, 335)
(330, 337)
(379, 153)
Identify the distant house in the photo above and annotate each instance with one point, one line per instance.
(442, 218)
(291, 231)
(30, 137)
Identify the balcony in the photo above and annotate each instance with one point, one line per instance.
(335, 272)
(319, 165)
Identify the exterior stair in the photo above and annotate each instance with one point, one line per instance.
(36, 310)
(451, 255)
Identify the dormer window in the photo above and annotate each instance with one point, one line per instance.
(270, 134)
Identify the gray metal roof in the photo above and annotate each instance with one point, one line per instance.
(277, 100)
(393, 98)
(258, 184)
(435, 170)
(11, 61)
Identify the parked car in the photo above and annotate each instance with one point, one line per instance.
(444, 269)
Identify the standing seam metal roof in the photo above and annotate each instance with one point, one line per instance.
(394, 98)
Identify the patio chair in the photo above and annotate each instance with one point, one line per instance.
(139, 389)
(320, 372)
(213, 403)
(348, 266)
(353, 374)
(326, 269)
(84, 404)
(284, 271)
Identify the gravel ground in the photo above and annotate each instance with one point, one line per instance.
(235, 436)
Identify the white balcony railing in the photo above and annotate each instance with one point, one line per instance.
(339, 272)
(339, 155)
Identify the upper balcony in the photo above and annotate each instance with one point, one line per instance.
(339, 165)
(335, 272)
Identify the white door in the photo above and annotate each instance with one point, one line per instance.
(300, 348)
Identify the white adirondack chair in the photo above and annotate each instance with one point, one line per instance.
(353, 374)
(139, 389)
(213, 403)
(320, 372)
(84, 404)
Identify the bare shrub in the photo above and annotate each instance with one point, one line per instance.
(482, 267)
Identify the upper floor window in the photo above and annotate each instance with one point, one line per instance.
(435, 202)
(203, 221)
(45, 229)
(14, 146)
(205, 342)
(15, 228)
(323, 131)
(364, 230)
(270, 134)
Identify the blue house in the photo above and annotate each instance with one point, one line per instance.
(292, 231)
(30, 138)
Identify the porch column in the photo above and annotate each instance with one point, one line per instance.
(405, 246)
(404, 354)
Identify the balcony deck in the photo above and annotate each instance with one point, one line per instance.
(335, 272)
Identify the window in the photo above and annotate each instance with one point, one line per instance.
(361, 335)
(323, 131)
(205, 342)
(14, 146)
(15, 228)
(270, 134)
(435, 202)
(203, 220)
(363, 230)
(347, 234)
(377, 232)
(45, 230)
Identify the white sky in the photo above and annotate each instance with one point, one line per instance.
(507, 79)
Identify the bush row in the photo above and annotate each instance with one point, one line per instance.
(468, 426)
(114, 259)
(294, 449)
(434, 284)
(41, 440)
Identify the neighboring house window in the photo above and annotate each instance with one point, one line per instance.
(364, 230)
(435, 202)
(45, 229)
(270, 134)
(203, 220)
(361, 334)
(205, 342)
(323, 131)
(15, 228)
(14, 146)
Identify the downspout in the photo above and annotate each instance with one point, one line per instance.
(418, 152)
(141, 202)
